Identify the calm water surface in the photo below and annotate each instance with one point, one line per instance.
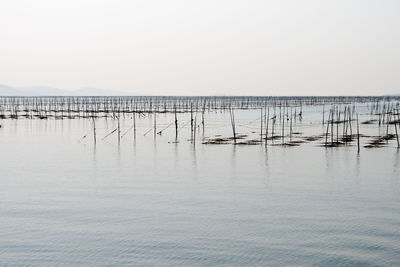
(64, 201)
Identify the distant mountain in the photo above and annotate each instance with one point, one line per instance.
(42, 91)
(6, 90)
(96, 92)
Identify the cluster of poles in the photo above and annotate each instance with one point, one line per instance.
(277, 114)
(86, 107)
(268, 122)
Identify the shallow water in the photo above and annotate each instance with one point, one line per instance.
(64, 201)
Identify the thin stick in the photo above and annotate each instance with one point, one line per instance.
(232, 114)
(113, 131)
(283, 127)
(266, 131)
(155, 124)
(194, 131)
(358, 137)
(397, 135)
(94, 131)
(327, 129)
(119, 132)
(176, 124)
(261, 124)
(134, 125)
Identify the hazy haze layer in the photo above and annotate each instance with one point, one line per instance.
(203, 47)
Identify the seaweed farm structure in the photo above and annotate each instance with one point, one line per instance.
(73, 107)
(368, 121)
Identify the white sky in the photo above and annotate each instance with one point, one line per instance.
(184, 47)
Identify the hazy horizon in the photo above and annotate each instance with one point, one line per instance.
(276, 48)
(90, 91)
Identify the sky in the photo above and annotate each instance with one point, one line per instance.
(208, 47)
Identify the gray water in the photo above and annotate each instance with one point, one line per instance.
(150, 201)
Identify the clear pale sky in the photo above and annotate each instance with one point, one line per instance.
(174, 47)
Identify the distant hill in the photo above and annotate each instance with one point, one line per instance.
(96, 92)
(6, 90)
(42, 91)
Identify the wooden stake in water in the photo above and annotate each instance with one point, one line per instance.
(119, 132)
(176, 124)
(266, 131)
(134, 125)
(194, 131)
(327, 130)
(344, 124)
(233, 124)
(202, 116)
(283, 127)
(388, 117)
(273, 126)
(333, 113)
(261, 124)
(397, 134)
(155, 124)
(191, 121)
(358, 137)
(337, 124)
(290, 129)
(94, 131)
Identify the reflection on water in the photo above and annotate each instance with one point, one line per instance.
(141, 202)
(194, 161)
(396, 160)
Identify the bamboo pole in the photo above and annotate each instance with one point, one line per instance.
(397, 134)
(94, 131)
(232, 115)
(134, 124)
(266, 130)
(119, 132)
(176, 124)
(358, 136)
(261, 132)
